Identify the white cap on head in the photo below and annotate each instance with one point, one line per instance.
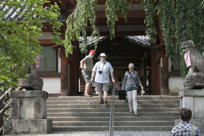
(102, 55)
(131, 65)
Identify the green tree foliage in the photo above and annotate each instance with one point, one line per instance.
(114, 8)
(179, 20)
(77, 23)
(19, 44)
(150, 10)
(83, 20)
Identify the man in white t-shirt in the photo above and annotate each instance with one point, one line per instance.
(101, 75)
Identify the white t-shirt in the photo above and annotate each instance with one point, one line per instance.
(106, 68)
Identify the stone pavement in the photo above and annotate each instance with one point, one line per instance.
(104, 133)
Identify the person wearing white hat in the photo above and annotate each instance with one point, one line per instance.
(101, 76)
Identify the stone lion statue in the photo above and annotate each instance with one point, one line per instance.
(33, 81)
(195, 62)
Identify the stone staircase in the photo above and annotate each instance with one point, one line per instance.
(79, 113)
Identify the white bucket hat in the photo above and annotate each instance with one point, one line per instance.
(102, 55)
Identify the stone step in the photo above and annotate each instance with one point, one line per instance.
(105, 133)
(116, 128)
(106, 114)
(96, 102)
(80, 128)
(118, 118)
(116, 106)
(80, 123)
(142, 128)
(79, 113)
(107, 110)
(116, 123)
(144, 123)
(146, 97)
(145, 118)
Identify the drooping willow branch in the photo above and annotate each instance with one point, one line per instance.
(84, 17)
(78, 22)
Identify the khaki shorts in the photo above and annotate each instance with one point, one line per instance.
(102, 87)
(87, 76)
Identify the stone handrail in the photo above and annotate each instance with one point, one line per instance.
(112, 110)
(4, 106)
(5, 94)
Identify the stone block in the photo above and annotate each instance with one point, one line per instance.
(194, 100)
(28, 113)
(196, 80)
(29, 104)
(29, 126)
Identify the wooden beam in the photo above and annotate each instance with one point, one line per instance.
(122, 21)
(132, 7)
(131, 1)
(136, 33)
(46, 42)
(123, 28)
(130, 14)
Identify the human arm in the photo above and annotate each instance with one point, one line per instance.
(93, 76)
(112, 77)
(139, 81)
(124, 81)
(111, 73)
(82, 63)
(94, 72)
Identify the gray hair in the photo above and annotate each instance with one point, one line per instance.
(131, 65)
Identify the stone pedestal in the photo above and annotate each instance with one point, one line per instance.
(194, 100)
(28, 113)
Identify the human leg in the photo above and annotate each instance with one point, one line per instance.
(101, 97)
(134, 97)
(87, 77)
(99, 90)
(105, 95)
(130, 103)
(106, 88)
(87, 89)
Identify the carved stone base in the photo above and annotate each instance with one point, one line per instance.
(28, 113)
(29, 126)
(194, 100)
(195, 81)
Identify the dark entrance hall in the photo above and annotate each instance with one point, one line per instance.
(124, 50)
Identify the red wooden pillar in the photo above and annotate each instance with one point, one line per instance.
(64, 73)
(155, 73)
(159, 71)
(164, 73)
(70, 72)
(74, 61)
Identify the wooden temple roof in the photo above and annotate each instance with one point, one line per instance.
(133, 26)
